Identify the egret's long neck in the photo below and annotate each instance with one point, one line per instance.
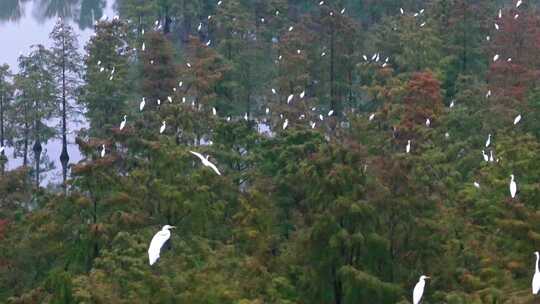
(537, 258)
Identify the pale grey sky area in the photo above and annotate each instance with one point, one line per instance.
(27, 25)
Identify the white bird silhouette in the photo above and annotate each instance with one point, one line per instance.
(408, 148)
(518, 4)
(267, 111)
(452, 103)
(214, 111)
(274, 91)
(188, 65)
(123, 123)
(512, 186)
(342, 11)
(290, 98)
(102, 150)
(428, 122)
(2, 148)
(142, 104)
(163, 127)
(477, 185)
(246, 117)
(401, 10)
(491, 158)
(312, 123)
(496, 26)
(206, 162)
(285, 124)
(486, 158)
(199, 27)
(157, 242)
(517, 119)
(302, 94)
(169, 98)
(291, 28)
(330, 112)
(536, 277)
(143, 48)
(500, 13)
(371, 116)
(496, 57)
(488, 141)
(419, 289)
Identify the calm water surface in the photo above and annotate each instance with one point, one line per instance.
(24, 23)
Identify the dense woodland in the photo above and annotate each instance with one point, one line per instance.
(307, 109)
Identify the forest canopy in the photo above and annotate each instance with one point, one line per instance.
(359, 144)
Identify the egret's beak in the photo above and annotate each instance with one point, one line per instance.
(428, 277)
(172, 227)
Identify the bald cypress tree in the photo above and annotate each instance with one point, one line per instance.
(66, 68)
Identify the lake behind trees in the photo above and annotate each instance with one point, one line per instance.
(24, 23)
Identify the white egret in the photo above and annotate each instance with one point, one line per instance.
(246, 117)
(274, 91)
(422, 25)
(180, 84)
(401, 11)
(428, 122)
(342, 11)
(209, 42)
(536, 277)
(486, 158)
(365, 57)
(496, 57)
(500, 13)
(518, 4)
(188, 65)
(199, 28)
(491, 158)
(285, 124)
(101, 69)
(517, 119)
(219, 2)
(102, 150)
(488, 141)
(163, 127)
(302, 94)
(159, 102)
(331, 112)
(2, 148)
(419, 289)
(123, 123)
(513, 186)
(143, 48)
(291, 28)
(169, 98)
(142, 104)
(408, 148)
(496, 26)
(321, 117)
(206, 162)
(214, 111)
(371, 116)
(452, 103)
(267, 111)
(477, 185)
(290, 98)
(157, 242)
(312, 123)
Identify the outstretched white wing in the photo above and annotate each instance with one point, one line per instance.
(199, 155)
(213, 167)
(155, 245)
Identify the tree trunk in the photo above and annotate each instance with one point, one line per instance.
(64, 156)
(2, 131)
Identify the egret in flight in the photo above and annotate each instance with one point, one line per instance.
(513, 186)
(206, 162)
(536, 277)
(123, 123)
(419, 289)
(157, 242)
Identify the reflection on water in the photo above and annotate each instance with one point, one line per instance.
(24, 23)
(82, 12)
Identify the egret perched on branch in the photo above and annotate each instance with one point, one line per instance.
(517, 119)
(163, 127)
(488, 141)
(513, 186)
(536, 277)
(123, 123)
(419, 289)
(157, 242)
(102, 150)
(142, 104)
(408, 148)
(206, 162)
(371, 116)
(2, 148)
(486, 158)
